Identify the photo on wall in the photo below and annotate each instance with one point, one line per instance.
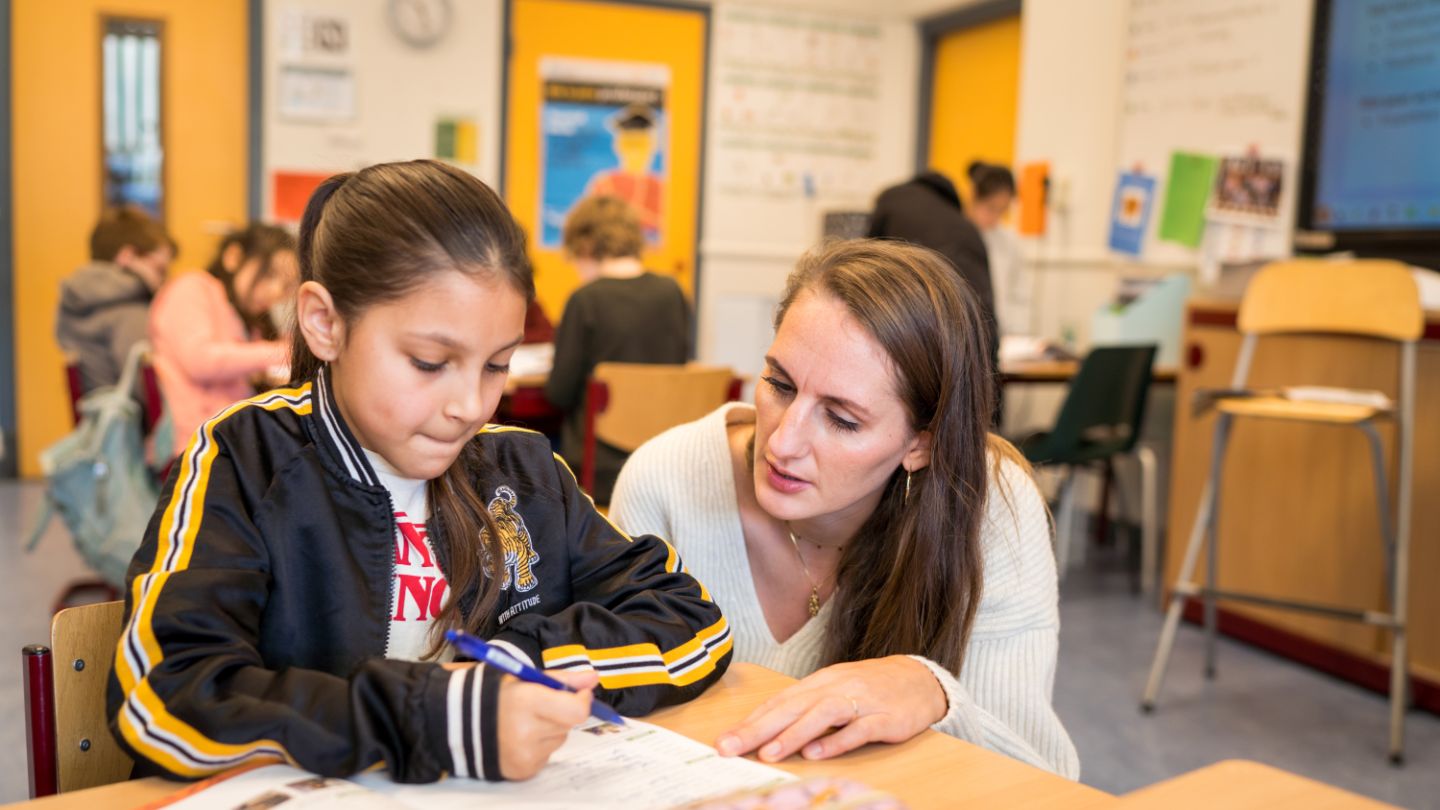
(603, 131)
(1248, 187)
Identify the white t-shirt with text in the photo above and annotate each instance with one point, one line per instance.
(419, 590)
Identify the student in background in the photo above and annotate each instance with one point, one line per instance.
(859, 526)
(621, 313)
(992, 193)
(290, 597)
(206, 328)
(104, 305)
(927, 211)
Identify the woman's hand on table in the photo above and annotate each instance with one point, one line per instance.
(840, 708)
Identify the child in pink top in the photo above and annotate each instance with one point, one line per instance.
(207, 329)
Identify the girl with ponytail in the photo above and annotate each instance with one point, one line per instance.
(292, 593)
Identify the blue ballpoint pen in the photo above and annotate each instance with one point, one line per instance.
(496, 657)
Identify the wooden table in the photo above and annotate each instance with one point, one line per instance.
(1062, 371)
(1240, 785)
(515, 382)
(931, 770)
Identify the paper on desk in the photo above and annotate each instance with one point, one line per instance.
(601, 766)
(268, 786)
(531, 359)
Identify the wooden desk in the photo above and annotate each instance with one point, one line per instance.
(1062, 371)
(515, 382)
(1240, 785)
(931, 770)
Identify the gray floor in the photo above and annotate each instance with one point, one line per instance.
(1260, 708)
(28, 585)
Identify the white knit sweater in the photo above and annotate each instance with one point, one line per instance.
(681, 486)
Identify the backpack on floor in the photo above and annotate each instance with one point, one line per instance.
(97, 480)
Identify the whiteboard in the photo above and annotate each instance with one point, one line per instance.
(1218, 77)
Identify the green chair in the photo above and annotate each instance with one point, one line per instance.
(1101, 420)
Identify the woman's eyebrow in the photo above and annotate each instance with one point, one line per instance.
(848, 404)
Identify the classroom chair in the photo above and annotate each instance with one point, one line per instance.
(1370, 299)
(628, 403)
(153, 403)
(67, 736)
(1100, 421)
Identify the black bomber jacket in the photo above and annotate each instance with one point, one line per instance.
(258, 605)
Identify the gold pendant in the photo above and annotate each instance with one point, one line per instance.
(814, 602)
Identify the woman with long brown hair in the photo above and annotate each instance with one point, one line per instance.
(861, 528)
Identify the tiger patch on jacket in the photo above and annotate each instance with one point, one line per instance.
(519, 555)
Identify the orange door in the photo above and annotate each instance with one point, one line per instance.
(56, 142)
(624, 49)
(975, 98)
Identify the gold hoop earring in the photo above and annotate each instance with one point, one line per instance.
(907, 486)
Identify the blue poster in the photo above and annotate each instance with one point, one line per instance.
(602, 138)
(1130, 214)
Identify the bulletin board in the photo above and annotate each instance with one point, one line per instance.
(1219, 79)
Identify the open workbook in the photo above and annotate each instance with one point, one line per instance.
(634, 766)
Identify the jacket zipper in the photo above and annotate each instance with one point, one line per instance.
(394, 572)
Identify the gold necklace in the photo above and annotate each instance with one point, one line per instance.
(814, 589)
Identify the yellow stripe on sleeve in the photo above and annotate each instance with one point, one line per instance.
(645, 648)
(189, 494)
(657, 675)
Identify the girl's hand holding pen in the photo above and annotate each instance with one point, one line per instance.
(534, 720)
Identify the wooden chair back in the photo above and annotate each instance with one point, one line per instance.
(630, 403)
(80, 752)
(1367, 297)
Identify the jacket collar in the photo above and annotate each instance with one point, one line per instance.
(336, 435)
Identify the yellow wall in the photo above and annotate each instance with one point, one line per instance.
(976, 94)
(600, 30)
(56, 152)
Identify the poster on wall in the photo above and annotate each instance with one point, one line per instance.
(316, 82)
(1247, 189)
(316, 95)
(602, 132)
(1130, 212)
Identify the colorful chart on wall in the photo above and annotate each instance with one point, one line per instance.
(602, 132)
(1130, 212)
(1194, 86)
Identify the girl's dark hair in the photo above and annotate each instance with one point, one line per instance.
(911, 580)
(989, 178)
(256, 241)
(375, 235)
